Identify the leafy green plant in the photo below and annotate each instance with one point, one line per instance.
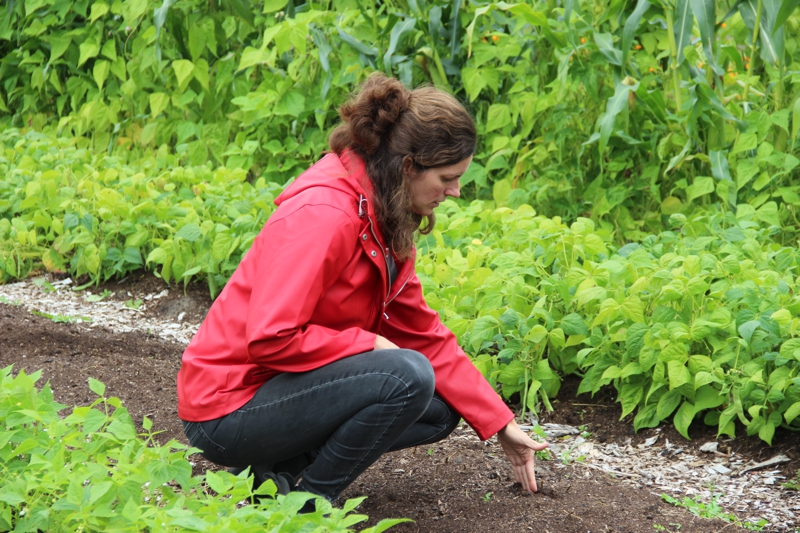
(793, 484)
(91, 471)
(59, 318)
(712, 510)
(695, 321)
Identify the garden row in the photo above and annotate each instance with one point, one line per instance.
(696, 320)
(91, 471)
(618, 111)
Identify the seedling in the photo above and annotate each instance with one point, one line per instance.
(133, 304)
(793, 484)
(487, 497)
(99, 297)
(65, 319)
(4, 300)
(711, 510)
(45, 285)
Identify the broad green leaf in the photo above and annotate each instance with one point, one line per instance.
(251, 56)
(683, 419)
(98, 10)
(88, 49)
(100, 72)
(498, 117)
(790, 349)
(191, 232)
(707, 397)
(594, 244)
(537, 334)
(792, 412)
(702, 185)
(183, 70)
(766, 432)
(745, 143)
(573, 324)
(58, 45)
(217, 483)
(158, 103)
(97, 387)
(632, 309)
(668, 403)
(484, 329)
(270, 6)
(678, 374)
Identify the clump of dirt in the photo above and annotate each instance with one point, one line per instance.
(458, 485)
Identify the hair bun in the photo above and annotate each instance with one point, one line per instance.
(372, 114)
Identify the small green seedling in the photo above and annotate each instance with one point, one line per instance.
(99, 297)
(45, 285)
(133, 304)
(487, 497)
(64, 319)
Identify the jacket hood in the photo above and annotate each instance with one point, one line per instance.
(346, 173)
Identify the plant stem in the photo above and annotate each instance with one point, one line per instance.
(752, 51)
(673, 50)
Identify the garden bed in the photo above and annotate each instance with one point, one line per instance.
(460, 484)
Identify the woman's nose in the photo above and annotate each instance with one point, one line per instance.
(454, 191)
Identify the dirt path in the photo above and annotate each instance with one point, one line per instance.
(459, 485)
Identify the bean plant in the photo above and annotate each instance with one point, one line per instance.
(93, 471)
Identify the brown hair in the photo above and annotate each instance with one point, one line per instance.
(385, 122)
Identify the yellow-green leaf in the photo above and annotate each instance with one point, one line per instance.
(183, 69)
(100, 72)
(158, 103)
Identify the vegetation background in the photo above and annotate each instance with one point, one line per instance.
(630, 215)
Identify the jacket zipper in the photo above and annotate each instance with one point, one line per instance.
(387, 301)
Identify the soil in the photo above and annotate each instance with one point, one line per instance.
(458, 485)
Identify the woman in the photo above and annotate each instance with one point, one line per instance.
(320, 354)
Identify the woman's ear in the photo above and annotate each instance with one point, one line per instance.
(409, 169)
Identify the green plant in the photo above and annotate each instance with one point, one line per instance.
(712, 510)
(43, 284)
(487, 497)
(793, 484)
(133, 304)
(99, 297)
(59, 318)
(91, 471)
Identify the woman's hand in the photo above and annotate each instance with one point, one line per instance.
(382, 343)
(520, 448)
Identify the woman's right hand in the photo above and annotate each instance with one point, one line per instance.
(382, 343)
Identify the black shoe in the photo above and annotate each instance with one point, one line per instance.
(283, 481)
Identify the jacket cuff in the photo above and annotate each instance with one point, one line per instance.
(492, 428)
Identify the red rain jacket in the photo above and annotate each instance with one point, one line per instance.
(313, 289)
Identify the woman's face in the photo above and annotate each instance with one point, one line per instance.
(431, 187)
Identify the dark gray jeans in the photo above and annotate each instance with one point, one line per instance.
(338, 420)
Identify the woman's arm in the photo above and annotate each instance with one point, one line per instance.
(411, 324)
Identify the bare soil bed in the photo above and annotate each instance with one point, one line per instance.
(458, 485)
